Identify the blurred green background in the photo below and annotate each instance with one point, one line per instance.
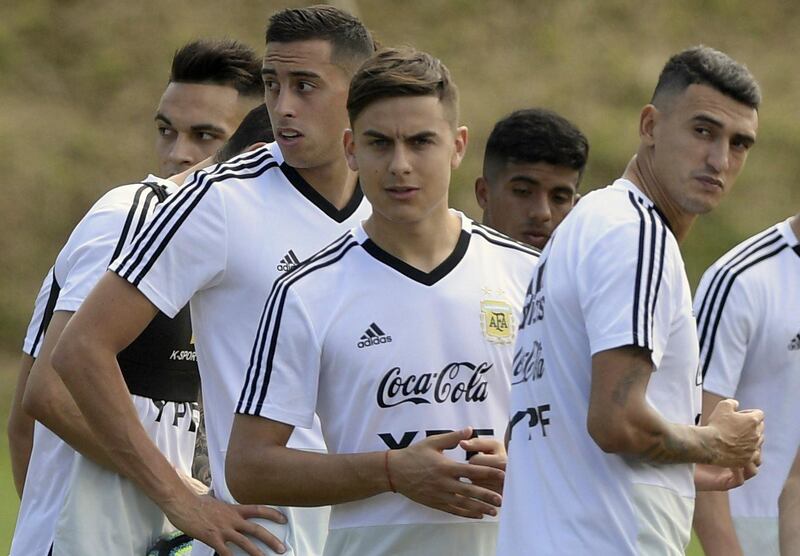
(81, 78)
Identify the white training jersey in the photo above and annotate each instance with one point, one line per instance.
(387, 355)
(748, 320)
(104, 230)
(611, 276)
(220, 242)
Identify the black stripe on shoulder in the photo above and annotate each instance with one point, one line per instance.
(174, 212)
(151, 199)
(123, 236)
(751, 249)
(661, 255)
(269, 324)
(55, 289)
(637, 340)
(709, 335)
(496, 238)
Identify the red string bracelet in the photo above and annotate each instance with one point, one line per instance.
(388, 475)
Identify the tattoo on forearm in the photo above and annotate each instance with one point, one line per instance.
(672, 448)
(201, 470)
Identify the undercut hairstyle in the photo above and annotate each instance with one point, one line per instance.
(534, 135)
(351, 42)
(702, 65)
(255, 128)
(223, 62)
(402, 72)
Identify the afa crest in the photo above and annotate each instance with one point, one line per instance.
(497, 321)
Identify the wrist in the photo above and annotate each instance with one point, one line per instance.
(709, 443)
(388, 470)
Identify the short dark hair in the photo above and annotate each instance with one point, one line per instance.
(222, 62)
(352, 42)
(402, 72)
(534, 135)
(255, 128)
(703, 65)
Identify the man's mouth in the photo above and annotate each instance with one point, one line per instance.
(289, 134)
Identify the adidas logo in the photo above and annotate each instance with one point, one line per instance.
(373, 336)
(288, 262)
(795, 343)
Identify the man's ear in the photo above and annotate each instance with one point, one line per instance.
(350, 149)
(482, 192)
(461, 147)
(647, 122)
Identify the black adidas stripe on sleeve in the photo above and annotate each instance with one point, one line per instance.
(55, 289)
(157, 234)
(263, 352)
(497, 238)
(138, 207)
(649, 271)
(712, 305)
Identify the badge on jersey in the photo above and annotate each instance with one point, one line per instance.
(497, 319)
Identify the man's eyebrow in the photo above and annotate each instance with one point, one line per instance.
(375, 134)
(200, 128)
(422, 135)
(293, 73)
(525, 179)
(163, 118)
(744, 138)
(706, 119)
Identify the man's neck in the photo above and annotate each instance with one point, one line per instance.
(640, 172)
(334, 181)
(423, 245)
(795, 225)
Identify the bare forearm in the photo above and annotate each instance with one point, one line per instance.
(713, 524)
(56, 410)
(664, 442)
(297, 478)
(20, 444)
(95, 382)
(621, 420)
(20, 428)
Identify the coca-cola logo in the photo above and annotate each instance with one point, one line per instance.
(456, 382)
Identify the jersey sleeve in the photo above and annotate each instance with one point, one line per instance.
(623, 285)
(725, 315)
(282, 380)
(42, 311)
(92, 244)
(181, 250)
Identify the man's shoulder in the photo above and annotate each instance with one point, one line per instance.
(755, 253)
(247, 169)
(121, 197)
(504, 253)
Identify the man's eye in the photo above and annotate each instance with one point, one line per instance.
(164, 131)
(742, 146)
(305, 86)
(521, 191)
(379, 143)
(702, 131)
(206, 136)
(271, 85)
